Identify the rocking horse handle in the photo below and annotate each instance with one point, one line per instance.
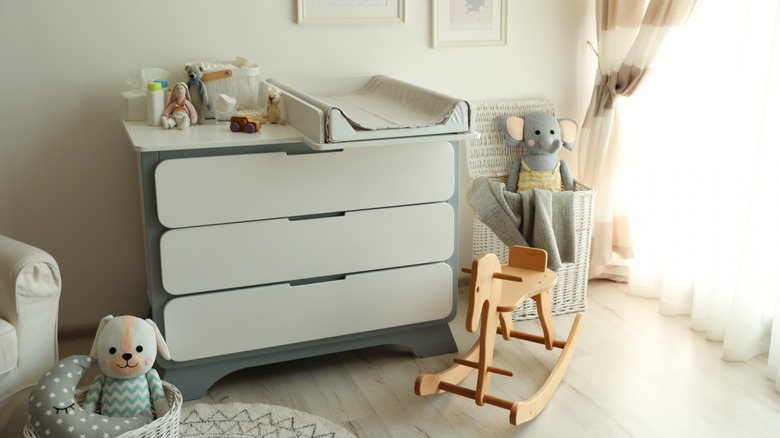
(508, 277)
(499, 275)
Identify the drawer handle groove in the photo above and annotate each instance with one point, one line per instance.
(310, 152)
(316, 280)
(307, 217)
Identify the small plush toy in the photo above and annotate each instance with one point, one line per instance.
(543, 135)
(179, 111)
(125, 348)
(273, 112)
(198, 92)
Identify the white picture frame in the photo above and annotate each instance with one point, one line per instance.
(351, 11)
(469, 23)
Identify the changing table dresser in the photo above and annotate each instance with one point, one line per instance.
(264, 248)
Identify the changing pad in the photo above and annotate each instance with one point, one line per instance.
(368, 108)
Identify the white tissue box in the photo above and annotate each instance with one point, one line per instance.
(133, 105)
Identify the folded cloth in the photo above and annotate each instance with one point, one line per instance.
(537, 218)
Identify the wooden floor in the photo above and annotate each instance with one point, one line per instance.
(635, 373)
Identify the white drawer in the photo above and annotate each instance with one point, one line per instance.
(236, 188)
(253, 253)
(220, 323)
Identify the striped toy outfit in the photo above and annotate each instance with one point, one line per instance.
(540, 179)
(131, 397)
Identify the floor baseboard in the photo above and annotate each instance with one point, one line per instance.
(72, 332)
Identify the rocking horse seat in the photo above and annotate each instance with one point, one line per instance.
(495, 291)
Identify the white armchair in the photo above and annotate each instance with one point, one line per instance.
(30, 287)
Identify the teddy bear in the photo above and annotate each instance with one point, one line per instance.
(543, 136)
(273, 112)
(125, 348)
(179, 111)
(198, 92)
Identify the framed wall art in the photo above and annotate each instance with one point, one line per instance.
(350, 11)
(469, 22)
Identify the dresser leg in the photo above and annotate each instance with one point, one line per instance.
(433, 340)
(195, 381)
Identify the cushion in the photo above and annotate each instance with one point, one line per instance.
(9, 350)
(54, 411)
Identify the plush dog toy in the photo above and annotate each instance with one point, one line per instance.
(273, 112)
(198, 92)
(125, 348)
(543, 135)
(179, 112)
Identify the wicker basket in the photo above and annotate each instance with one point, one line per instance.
(243, 85)
(166, 426)
(488, 156)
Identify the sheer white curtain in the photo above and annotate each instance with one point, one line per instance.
(701, 176)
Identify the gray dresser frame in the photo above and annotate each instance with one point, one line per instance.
(194, 378)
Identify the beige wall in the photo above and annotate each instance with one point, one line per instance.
(68, 180)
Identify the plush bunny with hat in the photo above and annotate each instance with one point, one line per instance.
(125, 348)
(179, 111)
(543, 136)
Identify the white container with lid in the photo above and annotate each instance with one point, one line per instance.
(155, 103)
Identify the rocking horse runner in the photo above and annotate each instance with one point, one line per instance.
(495, 291)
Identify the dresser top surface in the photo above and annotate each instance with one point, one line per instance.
(145, 138)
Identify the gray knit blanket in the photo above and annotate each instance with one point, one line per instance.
(536, 218)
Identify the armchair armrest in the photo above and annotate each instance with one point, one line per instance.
(27, 274)
(30, 286)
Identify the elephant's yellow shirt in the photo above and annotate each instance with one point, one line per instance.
(540, 179)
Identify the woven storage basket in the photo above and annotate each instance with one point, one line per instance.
(487, 156)
(166, 426)
(244, 85)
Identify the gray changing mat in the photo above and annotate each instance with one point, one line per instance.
(387, 103)
(366, 108)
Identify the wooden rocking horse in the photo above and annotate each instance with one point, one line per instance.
(495, 291)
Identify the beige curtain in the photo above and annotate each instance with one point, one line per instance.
(629, 32)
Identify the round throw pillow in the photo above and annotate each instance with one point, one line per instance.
(54, 411)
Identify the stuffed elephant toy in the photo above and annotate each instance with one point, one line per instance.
(542, 135)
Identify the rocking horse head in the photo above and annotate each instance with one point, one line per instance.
(483, 285)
